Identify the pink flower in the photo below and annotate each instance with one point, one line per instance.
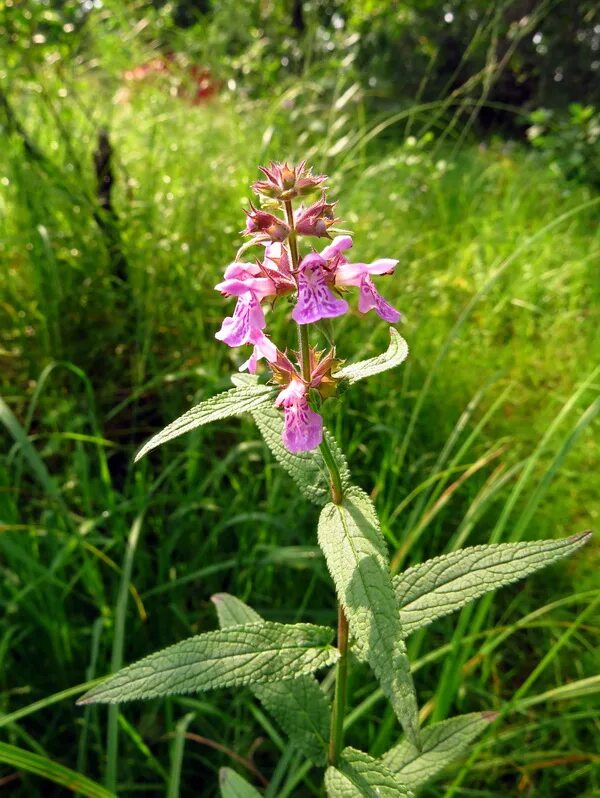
(276, 266)
(241, 278)
(303, 428)
(315, 299)
(359, 274)
(334, 250)
(263, 347)
(248, 319)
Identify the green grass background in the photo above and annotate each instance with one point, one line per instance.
(488, 433)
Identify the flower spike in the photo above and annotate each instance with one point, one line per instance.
(315, 282)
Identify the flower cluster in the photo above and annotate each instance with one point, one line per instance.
(317, 281)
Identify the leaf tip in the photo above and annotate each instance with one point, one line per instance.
(140, 453)
(489, 715)
(582, 537)
(85, 700)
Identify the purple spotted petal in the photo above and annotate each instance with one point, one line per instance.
(247, 318)
(263, 347)
(371, 298)
(303, 428)
(315, 299)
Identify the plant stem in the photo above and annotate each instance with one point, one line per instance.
(304, 351)
(335, 479)
(304, 344)
(336, 739)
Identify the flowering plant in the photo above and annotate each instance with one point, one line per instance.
(377, 609)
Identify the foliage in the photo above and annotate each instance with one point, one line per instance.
(570, 143)
(457, 446)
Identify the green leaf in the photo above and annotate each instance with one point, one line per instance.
(240, 655)
(358, 775)
(234, 786)
(445, 584)
(299, 705)
(395, 354)
(231, 403)
(441, 743)
(42, 766)
(356, 556)
(307, 469)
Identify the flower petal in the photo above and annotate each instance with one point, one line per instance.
(303, 428)
(370, 298)
(247, 318)
(339, 244)
(315, 299)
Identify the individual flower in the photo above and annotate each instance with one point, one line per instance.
(247, 321)
(265, 226)
(262, 347)
(315, 299)
(316, 219)
(359, 274)
(242, 278)
(285, 182)
(276, 266)
(302, 427)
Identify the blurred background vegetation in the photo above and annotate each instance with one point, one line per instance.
(461, 138)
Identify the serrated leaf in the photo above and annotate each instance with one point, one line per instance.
(230, 403)
(358, 775)
(234, 786)
(356, 556)
(395, 354)
(307, 469)
(441, 743)
(241, 378)
(240, 655)
(299, 705)
(447, 583)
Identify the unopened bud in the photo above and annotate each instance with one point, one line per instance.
(285, 182)
(316, 219)
(270, 226)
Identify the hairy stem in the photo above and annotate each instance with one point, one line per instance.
(336, 739)
(335, 479)
(303, 340)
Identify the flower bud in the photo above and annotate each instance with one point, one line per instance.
(270, 226)
(284, 182)
(316, 219)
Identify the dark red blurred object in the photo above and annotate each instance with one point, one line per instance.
(194, 84)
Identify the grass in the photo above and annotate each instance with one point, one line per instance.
(488, 433)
